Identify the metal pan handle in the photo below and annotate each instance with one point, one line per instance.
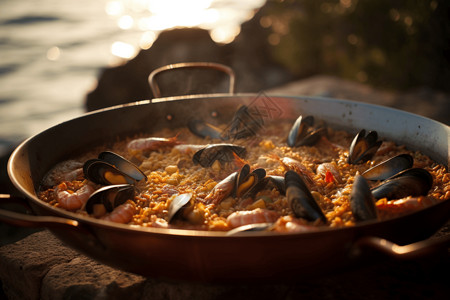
(190, 65)
(24, 220)
(411, 251)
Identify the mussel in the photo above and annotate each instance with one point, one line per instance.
(221, 152)
(411, 182)
(300, 198)
(111, 168)
(362, 202)
(203, 129)
(303, 132)
(240, 184)
(389, 167)
(363, 147)
(109, 197)
(183, 207)
(251, 228)
(244, 124)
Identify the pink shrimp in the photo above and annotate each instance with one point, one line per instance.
(258, 215)
(65, 171)
(73, 200)
(188, 148)
(329, 172)
(291, 224)
(296, 166)
(152, 143)
(121, 214)
(403, 206)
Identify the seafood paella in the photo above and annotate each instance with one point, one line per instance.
(248, 174)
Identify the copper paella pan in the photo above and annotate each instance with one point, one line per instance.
(215, 256)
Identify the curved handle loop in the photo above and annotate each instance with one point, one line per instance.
(411, 251)
(191, 65)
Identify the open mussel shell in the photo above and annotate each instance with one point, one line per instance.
(411, 182)
(299, 135)
(248, 184)
(178, 204)
(362, 202)
(250, 228)
(300, 198)
(203, 129)
(109, 197)
(389, 167)
(111, 168)
(363, 147)
(277, 182)
(221, 152)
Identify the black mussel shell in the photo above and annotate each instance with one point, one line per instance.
(221, 152)
(299, 135)
(362, 202)
(411, 182)
(203, 129)
(277, 182)
(123, 164)
(109, 197)
(118, 169)
(389, 167)
(244, 124)
(247, 185)
(177, 205)
(363, 147)
(300, 198)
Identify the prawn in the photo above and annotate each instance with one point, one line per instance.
(329, 172)
(403, 206)
(295, 165)
(68, 170)
(188, 148)
(122, 213)
(73, 200)
(258, 215)
(291, 224)
(152, 143)
(222, 190)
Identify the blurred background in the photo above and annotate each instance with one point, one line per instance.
(60, 58)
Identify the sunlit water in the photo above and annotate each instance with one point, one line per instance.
(51, 51)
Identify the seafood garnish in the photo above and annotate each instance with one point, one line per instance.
(251, 228)
(244, 124)
(179, 202)
(218, 152)
(411, 182)
(389, 167)
(203, 129)
(121, 214)
(363, 147)
(152, 143)
(362, 202)
(111, 168)
(73, 200)
(303, 133)
(107, 198)
(246, 217)
(300, 198)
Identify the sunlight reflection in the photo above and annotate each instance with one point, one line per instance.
(150, 17)
(123, 50)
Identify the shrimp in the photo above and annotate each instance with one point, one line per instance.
(295, 165)
(188, 148)
(329, 172)
(122, 213)
(73, 200)
(152, 143)
(291, 224)
(403, 206)
(258, 215)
